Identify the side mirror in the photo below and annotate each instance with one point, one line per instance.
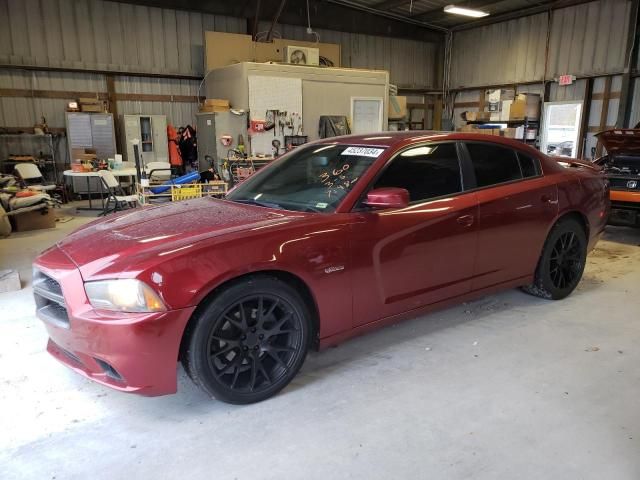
(389, 197)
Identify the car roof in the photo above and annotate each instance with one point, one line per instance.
(385, 139)
(391, 139)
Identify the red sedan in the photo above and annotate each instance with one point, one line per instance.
(333, 239)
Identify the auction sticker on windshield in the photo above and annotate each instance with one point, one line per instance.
(363, 151)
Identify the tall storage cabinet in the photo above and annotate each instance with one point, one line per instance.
(90, 130)
(151, 131)
(211, 127)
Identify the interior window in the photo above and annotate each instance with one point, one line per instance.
(528, 165)
(493, 164)
(425, 171)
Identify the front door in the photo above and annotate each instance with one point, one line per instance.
(411, 257)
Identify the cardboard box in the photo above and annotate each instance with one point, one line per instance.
(83, 154)
(483, 116)
(223, 49)
(488, 131)
(526, 105)
(397, 107)
(481, 131)
(89, 100)
(470, 116)
(211, 109)
(216, 102)
(92, 107)
(517, 133)
(35, 220)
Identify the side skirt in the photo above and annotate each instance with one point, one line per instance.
(383, 322)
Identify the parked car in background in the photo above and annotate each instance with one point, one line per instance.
(562, 149)
(622, 167)
(331, 240)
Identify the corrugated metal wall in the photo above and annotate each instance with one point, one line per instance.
(410, 63)
(178, 113)
(112, 36)
(102, 35)
(585, 40)
(24, 112)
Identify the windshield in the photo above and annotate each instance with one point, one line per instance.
(311, 179)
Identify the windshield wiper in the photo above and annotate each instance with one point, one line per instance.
(250, 201)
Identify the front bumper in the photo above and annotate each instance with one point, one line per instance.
(133, 352)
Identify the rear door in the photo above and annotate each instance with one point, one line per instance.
(410, 257)
(516, 207)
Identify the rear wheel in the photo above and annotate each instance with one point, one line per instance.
(562, 261)
(249, 341)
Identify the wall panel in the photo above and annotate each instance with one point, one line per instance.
(585, 40)
(103, 35)
(410, 63)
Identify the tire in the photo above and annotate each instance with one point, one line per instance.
(240, 356)
(562, 261)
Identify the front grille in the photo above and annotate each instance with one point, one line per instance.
(49, 300)
(615, 204)
(623, 183)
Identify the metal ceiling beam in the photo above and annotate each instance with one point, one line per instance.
(275, 19)
(338, 15)
(390, 4)
(394, 16)
(523, 12)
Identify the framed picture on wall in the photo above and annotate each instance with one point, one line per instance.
(367, 114)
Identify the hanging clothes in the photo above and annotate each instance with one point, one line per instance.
(175, 158)
(189, 147)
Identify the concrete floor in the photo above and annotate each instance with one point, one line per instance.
(506, 387)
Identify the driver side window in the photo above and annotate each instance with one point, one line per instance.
(427, 171)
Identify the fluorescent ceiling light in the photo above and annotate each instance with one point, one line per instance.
(467, 12)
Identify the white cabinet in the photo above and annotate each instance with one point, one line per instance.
(151, 131)
(91, 130)
(94, 131)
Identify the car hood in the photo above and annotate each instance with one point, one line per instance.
(621, 141)
(127, 236)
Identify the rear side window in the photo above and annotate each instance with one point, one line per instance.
(493, 164)
(528, 165)
(426, 172)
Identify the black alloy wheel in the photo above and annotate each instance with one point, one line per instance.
(562, 261)
(249, 341)
(565, 261)
(254, 342)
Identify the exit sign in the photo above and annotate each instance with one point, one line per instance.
(566, 80)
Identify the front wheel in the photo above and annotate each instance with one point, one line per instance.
(562, 261)
(249, 341)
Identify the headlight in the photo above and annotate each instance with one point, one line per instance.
(128, 295)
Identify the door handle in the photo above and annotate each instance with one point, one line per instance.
(546, 199)
(465, 220)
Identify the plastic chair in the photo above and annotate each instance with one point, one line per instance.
(115, 194)
(30, 174)
(158, 171)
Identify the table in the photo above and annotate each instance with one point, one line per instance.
(124, 172)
